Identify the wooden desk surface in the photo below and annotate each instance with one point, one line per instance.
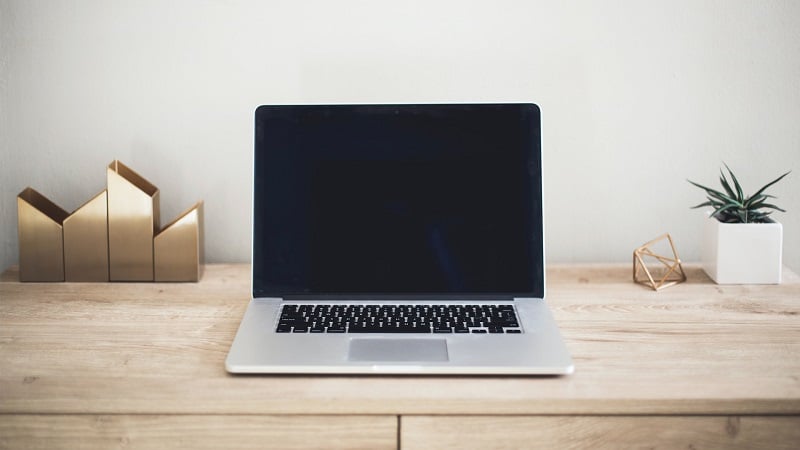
(140, 351)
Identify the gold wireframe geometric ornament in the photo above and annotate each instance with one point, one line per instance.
(652, 268)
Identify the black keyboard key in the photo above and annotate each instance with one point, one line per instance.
(387, 330)
(478, 331)
(514, 331)
(394, 326)
(364, 330)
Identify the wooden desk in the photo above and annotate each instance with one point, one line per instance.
(141, 365)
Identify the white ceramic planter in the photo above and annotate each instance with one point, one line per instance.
(742, 253)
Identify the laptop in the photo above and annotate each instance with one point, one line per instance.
(398, 239)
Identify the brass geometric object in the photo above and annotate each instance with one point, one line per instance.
(113, 237)
(652, 268)
(86, 241)
(179, 247)
(41, 241)
(133, 219)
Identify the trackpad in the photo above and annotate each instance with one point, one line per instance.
(400, 350)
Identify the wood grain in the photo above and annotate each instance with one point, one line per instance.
(581, 432)
(146, 348)
(197, 432)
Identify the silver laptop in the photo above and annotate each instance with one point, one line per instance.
(398, 239)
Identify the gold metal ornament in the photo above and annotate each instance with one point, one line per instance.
(41, 241)
(112, 237)
(657, 270)
(133, 218)
(86, 241)
(178, 248)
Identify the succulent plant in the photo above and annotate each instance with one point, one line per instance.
(731, 206)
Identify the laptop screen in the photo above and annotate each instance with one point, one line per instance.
(387, 201)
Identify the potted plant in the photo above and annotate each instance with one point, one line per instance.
(741, 243)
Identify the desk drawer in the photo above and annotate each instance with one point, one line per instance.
(197, 431)
(599, 432)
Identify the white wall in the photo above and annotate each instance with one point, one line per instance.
(636, 97)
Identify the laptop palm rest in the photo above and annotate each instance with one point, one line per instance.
(397, 350)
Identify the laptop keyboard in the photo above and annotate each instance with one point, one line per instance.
(477, 319)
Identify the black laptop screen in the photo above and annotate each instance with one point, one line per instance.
(411, 201)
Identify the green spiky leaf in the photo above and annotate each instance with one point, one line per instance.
(739, 192)
(771, 183)
(731, 206)
(724, 182)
